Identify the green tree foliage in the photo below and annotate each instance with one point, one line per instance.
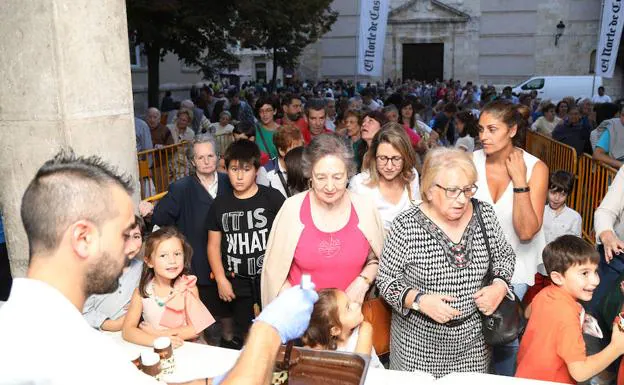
(197, 31)
(201, 32)
(283, 27)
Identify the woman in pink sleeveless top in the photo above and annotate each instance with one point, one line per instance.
(328, 232)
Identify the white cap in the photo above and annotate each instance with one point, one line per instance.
(162, 342)
(149, 358)
(133, 354)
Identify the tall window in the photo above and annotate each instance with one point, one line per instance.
(137, 60)
(592, 62)
(135, 56)
(261, 74)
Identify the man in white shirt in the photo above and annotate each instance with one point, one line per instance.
(368, 102)
(601, 97)
(78, 213)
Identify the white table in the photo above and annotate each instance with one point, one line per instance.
(486, 379)
(200, 361)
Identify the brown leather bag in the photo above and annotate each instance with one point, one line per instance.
(379, 314)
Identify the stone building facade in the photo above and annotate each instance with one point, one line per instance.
(486, 41)
(175, 76)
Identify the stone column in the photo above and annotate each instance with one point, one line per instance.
(65, 76)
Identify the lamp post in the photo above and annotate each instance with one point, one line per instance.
(560, 29)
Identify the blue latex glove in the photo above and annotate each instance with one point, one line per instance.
(218, 379)
(290, 312)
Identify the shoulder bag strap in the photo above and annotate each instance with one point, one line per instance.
(477, 209)
(279, 174)
(259, 129)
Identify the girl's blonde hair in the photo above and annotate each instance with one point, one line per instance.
(393, 134)
(152, 243)
(441, 160)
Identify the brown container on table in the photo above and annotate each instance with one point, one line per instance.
(321, 367)
(162, 347)
(150, 364)
(135, 357)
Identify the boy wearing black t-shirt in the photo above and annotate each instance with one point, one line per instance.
(239, 225)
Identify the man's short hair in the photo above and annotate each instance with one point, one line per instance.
(367, 92)
(288, 98)
(244, 151)
(67, 189)
(316, 105)
(567, 251)
(246, 128)
(561, 181)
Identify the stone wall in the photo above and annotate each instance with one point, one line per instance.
(503, 42)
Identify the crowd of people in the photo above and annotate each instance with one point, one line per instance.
(419, 193)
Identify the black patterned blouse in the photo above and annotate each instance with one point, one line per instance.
(417, 254)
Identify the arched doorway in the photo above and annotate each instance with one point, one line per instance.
(423, 61)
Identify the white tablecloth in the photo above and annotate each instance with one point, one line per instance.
(200, 361)
(485, 379)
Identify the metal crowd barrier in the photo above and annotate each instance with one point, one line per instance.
(593, 180)
(556, 155)
(156, 198)
(160, 167)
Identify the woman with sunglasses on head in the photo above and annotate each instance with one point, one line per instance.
(516, 184)
(390, 177)
(432, 268)
(327, 231)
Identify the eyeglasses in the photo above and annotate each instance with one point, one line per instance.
(454, 192)
(322, 181)
(395, 160)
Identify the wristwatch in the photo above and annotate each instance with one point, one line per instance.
(416, 304)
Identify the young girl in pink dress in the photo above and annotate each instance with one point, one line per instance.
(167, 298)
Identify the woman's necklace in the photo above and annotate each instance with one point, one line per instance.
(160, 302)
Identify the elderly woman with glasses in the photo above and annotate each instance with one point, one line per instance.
(327, 231)
(389, 177)
(433, 268)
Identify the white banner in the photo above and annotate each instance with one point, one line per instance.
(373, 20)
(609, 39)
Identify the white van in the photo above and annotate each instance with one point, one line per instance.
(556, 88)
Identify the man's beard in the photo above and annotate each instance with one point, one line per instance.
(103, 277)
(293, 117)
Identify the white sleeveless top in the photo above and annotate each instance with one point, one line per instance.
(528, 254)
(387, 210)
